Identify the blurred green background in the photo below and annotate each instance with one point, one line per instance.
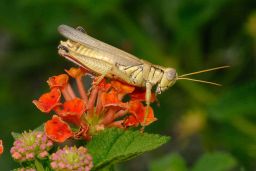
(184, 34)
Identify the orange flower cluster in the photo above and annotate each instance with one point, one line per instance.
(103, 106)
(1, 147)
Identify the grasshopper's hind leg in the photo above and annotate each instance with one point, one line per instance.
(99, 79)
(112, 71)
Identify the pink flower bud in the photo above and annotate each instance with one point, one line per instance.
(71, 158)
(30, 145)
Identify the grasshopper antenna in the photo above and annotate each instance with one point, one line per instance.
(183, 77)
(201, 81)
(202, 71)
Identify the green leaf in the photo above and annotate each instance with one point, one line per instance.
(109, 168)
(39, 128)
(15, 135)
(115, 145)
(215, 162)
(173, 162)
(39, 166)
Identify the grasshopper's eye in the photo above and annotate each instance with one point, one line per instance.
(171, 74)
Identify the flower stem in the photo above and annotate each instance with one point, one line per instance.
(70, 91)
(120, 113)
(65, 94)
(91, 101)
(109, 117)
(99, 103)
(118, 124)
(81, 89)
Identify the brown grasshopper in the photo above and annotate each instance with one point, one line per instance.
(108, 61)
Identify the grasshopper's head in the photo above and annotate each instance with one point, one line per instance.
(168, 79)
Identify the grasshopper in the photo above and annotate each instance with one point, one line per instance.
(107, 61)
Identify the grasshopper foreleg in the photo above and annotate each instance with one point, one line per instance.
(148, 97)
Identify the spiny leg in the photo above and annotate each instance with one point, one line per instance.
(147, 97)
(101, 77)
(117, 71)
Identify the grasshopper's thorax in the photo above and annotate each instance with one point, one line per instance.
(168, 78)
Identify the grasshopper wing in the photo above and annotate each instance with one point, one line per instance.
(120, 56)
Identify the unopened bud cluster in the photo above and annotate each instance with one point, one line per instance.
(71, 158)
(25, 169)
(30, 145)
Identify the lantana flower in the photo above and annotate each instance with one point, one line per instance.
(31, 145)
(48, 100)
(57, 129)
(71, 158)
(105, 104)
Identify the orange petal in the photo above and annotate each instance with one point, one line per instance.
(139, 94)
(137, 109)
(122, 88)
(150, 118)
(131, 121)
(71, 111)
(59, 81)
(1, 147)
(82, 132)
(111, 99)
(48, 100)
(103, 85)
(75, 72)
(57, 130)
